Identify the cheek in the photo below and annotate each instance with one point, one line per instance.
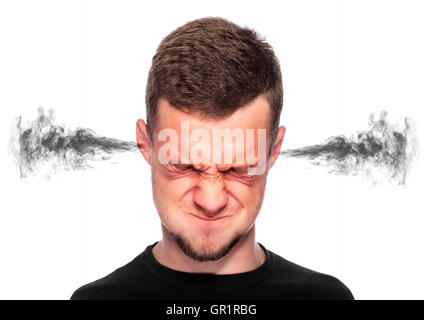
(172, 190)
(246, 195)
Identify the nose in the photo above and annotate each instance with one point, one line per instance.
(210, 197)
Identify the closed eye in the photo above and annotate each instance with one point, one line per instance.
(237, 170)
(183, 167)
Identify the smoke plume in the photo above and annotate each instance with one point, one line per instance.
(384, 151)
(42, 145)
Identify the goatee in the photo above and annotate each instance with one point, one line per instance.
(187, 248)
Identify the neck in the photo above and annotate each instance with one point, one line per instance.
(245, 256)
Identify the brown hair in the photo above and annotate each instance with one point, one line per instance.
(212, 67)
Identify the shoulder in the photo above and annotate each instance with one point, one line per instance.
(115, 285)
(304, 283)
(96, 290)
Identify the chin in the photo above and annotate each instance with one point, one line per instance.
(206, 248)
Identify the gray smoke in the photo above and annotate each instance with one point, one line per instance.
(42, 145)
(384, 151)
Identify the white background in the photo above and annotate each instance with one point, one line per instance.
(88, 60)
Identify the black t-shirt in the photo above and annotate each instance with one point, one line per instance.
(145, 278)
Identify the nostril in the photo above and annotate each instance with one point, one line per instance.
(210, 209)
(210, 197)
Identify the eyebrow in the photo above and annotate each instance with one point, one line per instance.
(236, 166)
(176, 161)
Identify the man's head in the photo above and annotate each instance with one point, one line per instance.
(212, 75)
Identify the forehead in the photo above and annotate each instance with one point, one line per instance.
(246, 134)
(254, 115)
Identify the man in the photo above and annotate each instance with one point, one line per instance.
(211, 78)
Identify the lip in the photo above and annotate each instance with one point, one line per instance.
(207, 219)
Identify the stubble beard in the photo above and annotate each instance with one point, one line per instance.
(189, 251)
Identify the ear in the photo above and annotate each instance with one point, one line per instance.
(275, 151)
(143, 141)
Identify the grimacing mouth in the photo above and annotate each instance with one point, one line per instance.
(208, 219)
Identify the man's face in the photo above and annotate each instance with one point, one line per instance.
(208, 206)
